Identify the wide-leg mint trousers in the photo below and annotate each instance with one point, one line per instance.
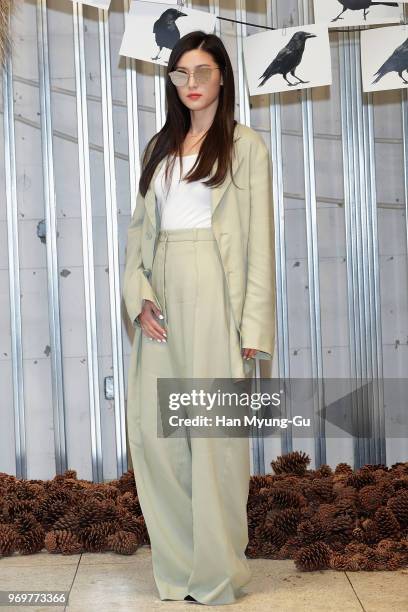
(192, 490)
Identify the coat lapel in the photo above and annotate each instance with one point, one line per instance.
(216, 192)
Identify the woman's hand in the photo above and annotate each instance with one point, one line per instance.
(150, 326)
(248, 353)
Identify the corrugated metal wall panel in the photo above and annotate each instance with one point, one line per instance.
(76, 118)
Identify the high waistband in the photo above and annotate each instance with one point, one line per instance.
(193, 233)
(190, 234)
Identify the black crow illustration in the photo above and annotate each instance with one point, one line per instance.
(165, 30)
(288, 59)
(359, 5)
(397, 62)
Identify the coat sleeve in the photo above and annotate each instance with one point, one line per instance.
(136, 286)
(258, 318)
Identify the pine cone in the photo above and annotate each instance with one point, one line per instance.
(342, 527)
(387, 490)
(386, 523)
(67, 522)
(321, 489)
(131, 524)
(258, 482)
(252, 551)
(62, 541)
(277, 538)
(270, 550)
(398, 505)
(108, 510)
(374, 467)
(70, 474)
(127, 483)
(400, 467)
(313, 557)
(358, 562)
(400, 483)
(343, 468)
(310, 531)
(370, 498)
(8, 540)
(288, 549)
(337, 546)
(267, 532)
(25, 522)
(37, 491)
(130, 502)
(360, 479)
(12, 507)
(290, 482)
(22, 490)
(291, 463)
(257, 513)
(112, 492)
(53, 506)
(123, 542)
(32, 542)
(94, 538)
(325, 514)
(287, 521)
(90, 495)
(388, 547)
(258, 534)
(346, 506)
(395, 562)
(7, 479)
(284, 498)
(142, 523)
(89, 514)
(365, 536)
(58, 479)
(338, 562)
(357, 547)
(324, 470)
(345, 492)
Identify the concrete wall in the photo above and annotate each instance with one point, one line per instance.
(76, 118)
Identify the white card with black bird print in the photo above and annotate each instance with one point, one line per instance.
(340, 13)
(384, 58)
(287, 59)
(152, 29)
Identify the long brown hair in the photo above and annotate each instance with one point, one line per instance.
(217, 145)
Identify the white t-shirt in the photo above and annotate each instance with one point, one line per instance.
(187, 204)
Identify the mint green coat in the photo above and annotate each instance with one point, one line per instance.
(243, 225)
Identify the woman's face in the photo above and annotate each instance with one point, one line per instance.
(209, 91)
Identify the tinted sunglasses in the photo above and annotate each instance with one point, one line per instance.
(202, 75)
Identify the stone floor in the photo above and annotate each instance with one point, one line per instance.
(114, 583)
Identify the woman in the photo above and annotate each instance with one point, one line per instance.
(199, 286)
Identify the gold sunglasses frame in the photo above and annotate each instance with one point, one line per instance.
(189, 72)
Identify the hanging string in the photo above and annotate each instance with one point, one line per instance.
(285, 26)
